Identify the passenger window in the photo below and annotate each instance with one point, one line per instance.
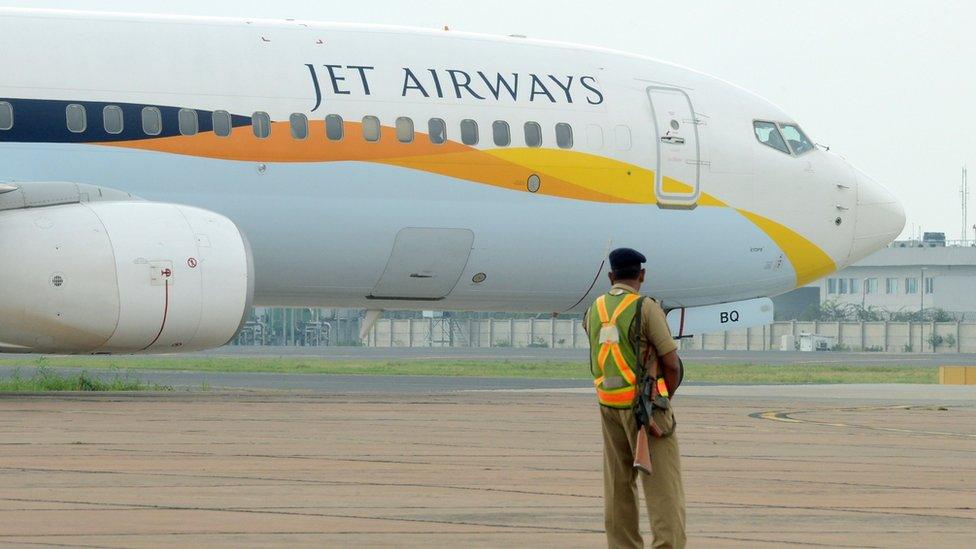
(437, 130)
(768, 134)
(533, 134)
(797, 139)
(6, 116)
(189, 123)
(502, 133)
(404, 129)
(261, 124)
(594, 137)
(152, 121)
(564, 136)
(299, 126)
(372, 130)
(112, 119)
(334, 129)
(623, 138)
(469, 132)
(223, 124)
(77, 118)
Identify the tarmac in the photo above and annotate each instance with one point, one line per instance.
(574, 355)
(857, 466)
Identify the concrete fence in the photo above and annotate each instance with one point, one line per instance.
(891, 337)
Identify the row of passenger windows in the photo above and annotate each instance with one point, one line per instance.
(113, 121)
(852, 286)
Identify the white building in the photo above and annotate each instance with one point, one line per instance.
(908, 277)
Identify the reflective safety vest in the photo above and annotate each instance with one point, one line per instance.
(613, 356)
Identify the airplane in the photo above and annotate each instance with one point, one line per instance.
(160, 175)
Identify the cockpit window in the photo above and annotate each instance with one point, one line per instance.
(769, 135)
(797, 139)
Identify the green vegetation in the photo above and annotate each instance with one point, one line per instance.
(44, 380)
(832, 311)
(703, 373)
(809, 373)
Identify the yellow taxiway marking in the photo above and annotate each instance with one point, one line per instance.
(786, 416)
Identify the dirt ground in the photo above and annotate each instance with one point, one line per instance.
(469, 470)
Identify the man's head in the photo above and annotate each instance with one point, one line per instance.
(626, 267)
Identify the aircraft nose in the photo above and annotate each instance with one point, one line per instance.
(880, 217)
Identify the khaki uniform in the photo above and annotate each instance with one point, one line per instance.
(663, 489)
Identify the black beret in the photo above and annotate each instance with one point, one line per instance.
(626, 258)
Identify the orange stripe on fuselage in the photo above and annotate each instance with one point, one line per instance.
(450, 159)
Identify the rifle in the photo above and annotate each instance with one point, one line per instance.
(653, 395)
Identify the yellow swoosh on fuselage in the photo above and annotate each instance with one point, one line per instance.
(563, 173)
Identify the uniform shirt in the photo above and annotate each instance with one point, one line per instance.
(654, 325)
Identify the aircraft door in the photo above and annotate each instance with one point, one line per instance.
(425, 265)
(678, 175)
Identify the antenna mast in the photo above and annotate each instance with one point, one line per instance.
(964, 194)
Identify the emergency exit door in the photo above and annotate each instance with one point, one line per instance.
(678, 175)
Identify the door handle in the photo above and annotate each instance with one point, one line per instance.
(673, 140)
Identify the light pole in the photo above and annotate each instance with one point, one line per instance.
(864, 291)
(921, 294)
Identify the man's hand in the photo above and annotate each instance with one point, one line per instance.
(671, 370)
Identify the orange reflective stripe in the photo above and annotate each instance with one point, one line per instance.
(602, 358)
(662, 387)
(612, 397)
(627, 301)
(601, 308)
(622, 365)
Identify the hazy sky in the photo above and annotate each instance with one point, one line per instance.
(891, 84)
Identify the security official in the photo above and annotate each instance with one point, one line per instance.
(628, 333)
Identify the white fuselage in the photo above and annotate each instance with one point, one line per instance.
(663, 159)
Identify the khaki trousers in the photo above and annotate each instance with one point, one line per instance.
(663, 490)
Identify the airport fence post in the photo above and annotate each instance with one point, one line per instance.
(491, 333)
(958, 336)
(575, 325)
(511, 332)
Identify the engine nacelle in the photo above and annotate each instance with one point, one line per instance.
(121, 277)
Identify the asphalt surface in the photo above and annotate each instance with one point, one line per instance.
(326, 384)
(571, 355)
(482, 469)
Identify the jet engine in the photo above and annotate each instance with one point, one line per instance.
(119, 277)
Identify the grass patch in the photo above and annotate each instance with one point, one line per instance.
(809, 373)
(45, 380)
(701, 373)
